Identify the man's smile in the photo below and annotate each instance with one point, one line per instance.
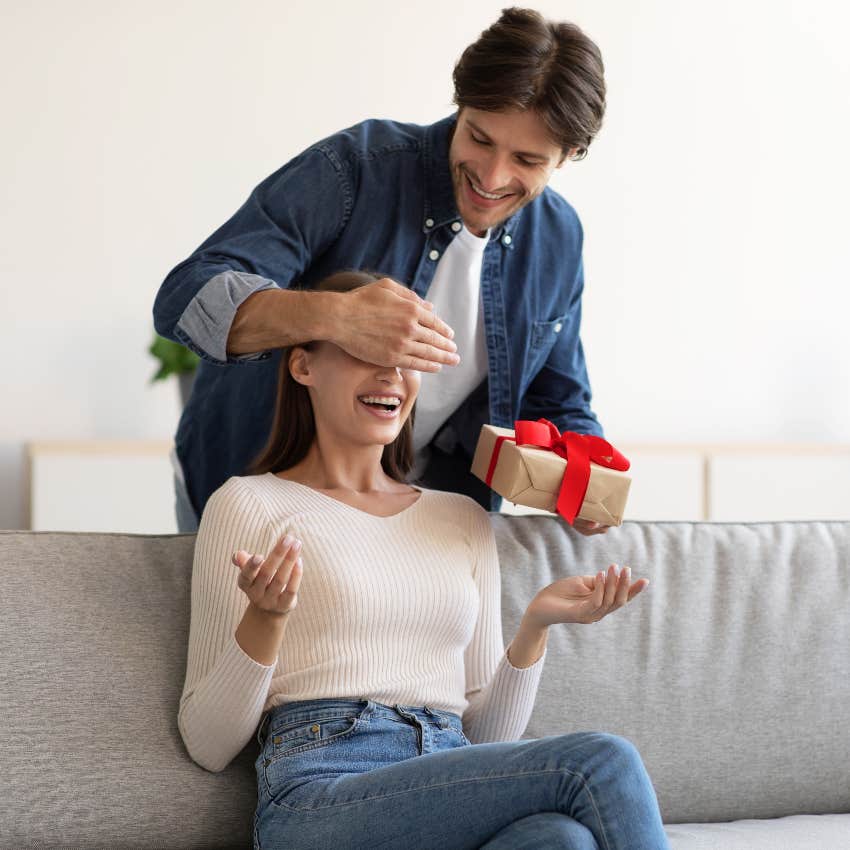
(489, 195)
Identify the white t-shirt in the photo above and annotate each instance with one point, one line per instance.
(455, 293)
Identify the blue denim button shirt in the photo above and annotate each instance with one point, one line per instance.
(377, 196)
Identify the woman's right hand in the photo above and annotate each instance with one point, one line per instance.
(271, 583)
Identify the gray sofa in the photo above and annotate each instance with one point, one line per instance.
(730, 674)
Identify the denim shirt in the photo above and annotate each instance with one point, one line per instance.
(377, 196)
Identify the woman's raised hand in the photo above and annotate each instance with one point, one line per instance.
(271, 583)
(583, 599)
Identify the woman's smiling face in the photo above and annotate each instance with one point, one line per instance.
(507, 156)
(364, 402)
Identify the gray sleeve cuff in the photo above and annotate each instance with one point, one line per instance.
(205, 323)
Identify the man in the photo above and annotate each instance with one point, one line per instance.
(458, 211)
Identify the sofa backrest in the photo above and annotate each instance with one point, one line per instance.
(730, 674)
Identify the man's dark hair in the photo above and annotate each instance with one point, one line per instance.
(524, 61)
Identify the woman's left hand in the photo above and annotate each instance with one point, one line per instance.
(583, 599)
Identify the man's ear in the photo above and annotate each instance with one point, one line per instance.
(566, 155)
(299, 365)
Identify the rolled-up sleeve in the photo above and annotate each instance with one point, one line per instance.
(290, 218)
(205, 324)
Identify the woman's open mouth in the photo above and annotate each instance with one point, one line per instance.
(382, 406)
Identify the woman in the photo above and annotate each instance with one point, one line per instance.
(394, 653)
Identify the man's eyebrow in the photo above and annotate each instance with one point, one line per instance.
(527, 154)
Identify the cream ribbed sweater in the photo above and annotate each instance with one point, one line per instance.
(403, 610)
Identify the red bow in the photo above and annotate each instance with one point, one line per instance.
(577, 449)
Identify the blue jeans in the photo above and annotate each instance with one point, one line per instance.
(360, 774)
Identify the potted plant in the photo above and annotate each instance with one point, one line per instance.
(175, 359)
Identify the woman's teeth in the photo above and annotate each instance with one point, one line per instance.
(387, 402)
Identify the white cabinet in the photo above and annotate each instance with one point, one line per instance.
(734, 483)
(127, 486)
(777, 484)
(89, 485)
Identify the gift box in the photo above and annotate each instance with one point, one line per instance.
(574, 475)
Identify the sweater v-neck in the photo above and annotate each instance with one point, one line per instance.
(345, 505)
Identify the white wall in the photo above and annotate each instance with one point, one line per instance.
(714, 200)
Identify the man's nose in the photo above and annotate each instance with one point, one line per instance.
(495, 174)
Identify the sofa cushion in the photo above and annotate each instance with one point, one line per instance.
(798, 832)
(729, 672)
(94, 635)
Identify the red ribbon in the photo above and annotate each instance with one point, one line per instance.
(577, 449)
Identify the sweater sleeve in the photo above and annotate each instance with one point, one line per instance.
(225, 689)
(500, 696)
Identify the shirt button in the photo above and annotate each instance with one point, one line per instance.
(429, 222)
(506, 239)
(558, 328)
(434, 255)
(456, 226)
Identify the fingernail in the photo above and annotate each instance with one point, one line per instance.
(256, 560)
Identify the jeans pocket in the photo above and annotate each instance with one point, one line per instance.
(290, 739)
(299, 750)
(461, 737)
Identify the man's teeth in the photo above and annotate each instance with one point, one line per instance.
(484, 194)
(391, 400)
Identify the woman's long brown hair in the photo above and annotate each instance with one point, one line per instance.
(294, 426)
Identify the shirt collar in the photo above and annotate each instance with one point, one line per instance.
(440, 207)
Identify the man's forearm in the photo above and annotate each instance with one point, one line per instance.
(274, 318)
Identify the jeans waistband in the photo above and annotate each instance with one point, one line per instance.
(364, 709)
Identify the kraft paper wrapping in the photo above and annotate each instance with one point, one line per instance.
(527, 475)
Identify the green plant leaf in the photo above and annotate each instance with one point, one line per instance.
(174, 359)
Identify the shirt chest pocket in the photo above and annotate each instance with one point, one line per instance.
(544, 334)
